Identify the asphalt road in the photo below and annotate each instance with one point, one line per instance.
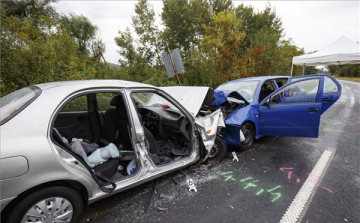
(263, 184)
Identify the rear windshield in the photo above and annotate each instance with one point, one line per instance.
(12, 104)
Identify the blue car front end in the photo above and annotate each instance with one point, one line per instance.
(239, 112)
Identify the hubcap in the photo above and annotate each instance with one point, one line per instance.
(54, 209)
(246, 133)
(214, 151)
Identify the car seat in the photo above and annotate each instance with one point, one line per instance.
(122, 121)
(107, 169)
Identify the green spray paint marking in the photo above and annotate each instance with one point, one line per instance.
(226, 173)
(239, 170)
(272, 189)
(259, 192)
(243, 180)
(277, 196)
(250, 185)
(228, 176)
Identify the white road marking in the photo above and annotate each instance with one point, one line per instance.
(347, 87)
(303, 198)
(352, 100)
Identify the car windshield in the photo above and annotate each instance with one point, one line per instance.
(245, 88)
(147, 99)
(12, 104)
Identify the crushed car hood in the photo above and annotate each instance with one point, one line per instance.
(221, 96)
(190, 97)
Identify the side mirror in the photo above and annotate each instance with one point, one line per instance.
(267, 102)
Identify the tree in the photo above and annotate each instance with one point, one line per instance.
(29, 57)
(127, 49)
(81, 29)
(223, 40)
(183, 22)
(149, 35)
(220, 6)
(30, 8)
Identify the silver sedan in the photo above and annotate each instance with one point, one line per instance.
(66, 144)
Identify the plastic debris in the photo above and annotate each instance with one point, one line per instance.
(191, 185)
(162, 209)
(235, 157)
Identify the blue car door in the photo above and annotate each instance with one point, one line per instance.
(293, 110)
(331, 90)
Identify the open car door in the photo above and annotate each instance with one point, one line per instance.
(293, 110)
(331, 89)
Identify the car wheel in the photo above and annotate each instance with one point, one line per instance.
(249, 133)
(219, 150)
(53, 204)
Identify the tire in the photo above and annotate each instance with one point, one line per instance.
(249, 132)
(219, 150)
(52, 200)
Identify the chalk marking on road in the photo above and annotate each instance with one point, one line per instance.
(303, 198)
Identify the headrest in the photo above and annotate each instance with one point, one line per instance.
(117, 100)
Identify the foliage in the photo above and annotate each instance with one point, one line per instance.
(30, 55)
(224, 41)
(84, 33)
(218, 43)
(351, 70)
(183, 20)
(37, 47)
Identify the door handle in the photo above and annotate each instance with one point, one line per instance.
(312, 110)
(326, 99)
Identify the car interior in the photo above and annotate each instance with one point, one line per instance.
(266, 89)
(102, 118)
(167, 129)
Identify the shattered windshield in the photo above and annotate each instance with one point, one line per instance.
(245, 88)
(148, 99)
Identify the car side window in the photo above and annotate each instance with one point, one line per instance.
(300, 92)
(329, 86)
(266, 89)
(77, 104)
(104, 99)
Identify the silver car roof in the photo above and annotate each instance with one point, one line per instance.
(92, 83)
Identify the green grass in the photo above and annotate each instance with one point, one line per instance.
(356, 79)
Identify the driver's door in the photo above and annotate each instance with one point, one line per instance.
(293, 110)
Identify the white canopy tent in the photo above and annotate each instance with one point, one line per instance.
(342, 51)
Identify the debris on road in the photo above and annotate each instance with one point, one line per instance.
(235, 157)
(162, 209)
(191, 185)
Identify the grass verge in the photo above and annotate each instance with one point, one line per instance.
(356, 79)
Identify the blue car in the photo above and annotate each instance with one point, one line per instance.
(274, 106)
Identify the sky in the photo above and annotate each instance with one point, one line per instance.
(312, 25)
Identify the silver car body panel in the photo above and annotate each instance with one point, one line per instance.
(28, 135)
(192, 99)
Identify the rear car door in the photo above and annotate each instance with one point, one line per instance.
(73, 120)
(293, 110)
(331, 90)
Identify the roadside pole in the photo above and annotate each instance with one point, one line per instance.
(174, 67)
